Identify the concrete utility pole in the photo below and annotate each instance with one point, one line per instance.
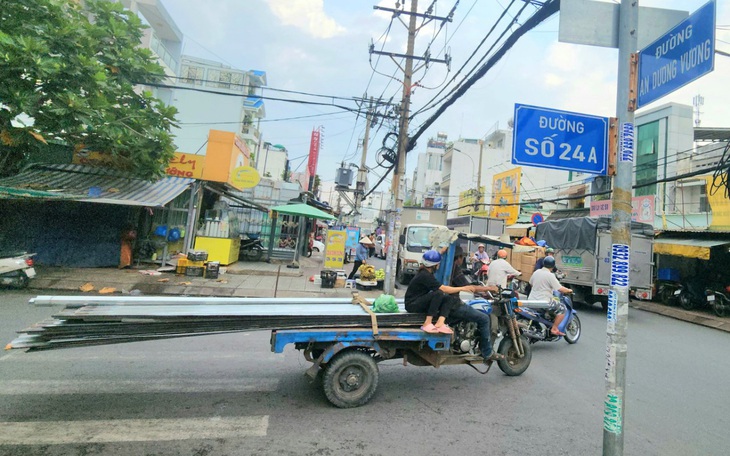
(362, 174)
(477, 201)
(399, 171)
(618, 298)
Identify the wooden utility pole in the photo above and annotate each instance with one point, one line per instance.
(394, 224)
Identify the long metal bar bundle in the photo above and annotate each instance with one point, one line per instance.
(77, 301)
(107, 320)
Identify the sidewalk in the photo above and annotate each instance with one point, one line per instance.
(242, 279)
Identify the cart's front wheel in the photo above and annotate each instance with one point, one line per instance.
(350, 379)
(512, 364)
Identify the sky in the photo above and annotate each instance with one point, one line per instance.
(321, 47)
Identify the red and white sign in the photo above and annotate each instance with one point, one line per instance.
(313, 153)
(642, 208)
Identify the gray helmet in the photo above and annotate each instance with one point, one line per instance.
(548, 262)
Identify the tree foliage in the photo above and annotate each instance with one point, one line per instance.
(71, 74)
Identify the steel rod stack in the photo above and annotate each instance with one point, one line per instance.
(108, 320)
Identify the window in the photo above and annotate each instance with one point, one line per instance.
(192, 74)
(647, 148)
(704, 203)
(225, 79)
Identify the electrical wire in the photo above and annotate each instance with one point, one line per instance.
(433, 101)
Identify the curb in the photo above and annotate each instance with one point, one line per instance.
(698, 318)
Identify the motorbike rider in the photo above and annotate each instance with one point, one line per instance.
(500, 269)
(479, 258)
(463, 312)
(538, 264)
(544, 283)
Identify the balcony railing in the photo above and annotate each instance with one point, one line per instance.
(165, 55)
(251, 131)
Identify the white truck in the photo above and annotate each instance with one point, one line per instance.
(417, 223)
(583, 254)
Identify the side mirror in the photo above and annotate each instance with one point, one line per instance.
(402, 239)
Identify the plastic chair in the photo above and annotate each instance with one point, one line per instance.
(349, 283)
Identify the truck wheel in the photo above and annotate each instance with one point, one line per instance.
(399, 275)
(350, 379)
(512, 365)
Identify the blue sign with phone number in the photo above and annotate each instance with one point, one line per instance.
(550, 138)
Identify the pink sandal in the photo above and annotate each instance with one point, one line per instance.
(430, 328)
(444, 329)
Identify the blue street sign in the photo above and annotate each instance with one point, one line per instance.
(536, 218)
(549, 138)
(679, 57)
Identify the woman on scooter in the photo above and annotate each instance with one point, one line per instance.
(425, 294)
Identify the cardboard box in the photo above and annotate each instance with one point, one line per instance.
(340, 282)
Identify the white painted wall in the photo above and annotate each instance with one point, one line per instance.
(200, 112)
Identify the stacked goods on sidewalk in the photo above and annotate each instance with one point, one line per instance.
(107, 320)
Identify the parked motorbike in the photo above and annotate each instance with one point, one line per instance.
(252, 249)
(513, 344)
(537, 323)
(17, 269)
(719, 300)
(667, 292)
(692, 294)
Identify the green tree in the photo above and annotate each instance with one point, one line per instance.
(67, 78)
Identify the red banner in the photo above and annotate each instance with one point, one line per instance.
(313, 153)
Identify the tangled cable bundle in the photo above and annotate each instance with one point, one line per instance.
(720, 177)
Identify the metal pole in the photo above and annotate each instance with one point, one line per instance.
(394, 224)
(618, 298)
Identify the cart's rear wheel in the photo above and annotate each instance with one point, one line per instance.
(350, 379)
(513, 365)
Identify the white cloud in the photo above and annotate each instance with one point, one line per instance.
(553, 80)
(307, 15)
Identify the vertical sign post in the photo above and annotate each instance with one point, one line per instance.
(618, 296)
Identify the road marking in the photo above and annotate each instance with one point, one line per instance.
(56, 356)
(106, 431)
(9, 355)
(172, 385)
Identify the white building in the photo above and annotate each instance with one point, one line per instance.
(428, 174)
(272, 160)
(238, 110)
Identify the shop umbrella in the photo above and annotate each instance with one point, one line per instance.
(304, 210)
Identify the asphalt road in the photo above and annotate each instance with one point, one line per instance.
(229, 395)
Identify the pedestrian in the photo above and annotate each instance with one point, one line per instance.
(371, 248)
(361, 255)
(129, 235)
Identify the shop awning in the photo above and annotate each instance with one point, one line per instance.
(234, 195)
(90, 185)
(690, 248)
(303, 210)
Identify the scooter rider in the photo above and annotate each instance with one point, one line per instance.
(479, 258)
(544, 283)
(461, 311)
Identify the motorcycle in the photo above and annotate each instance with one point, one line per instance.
(691, 294)
(719, 300)
(17, 269)
(668, 292)
(537, 323)
(252, 249)
(513, 345)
